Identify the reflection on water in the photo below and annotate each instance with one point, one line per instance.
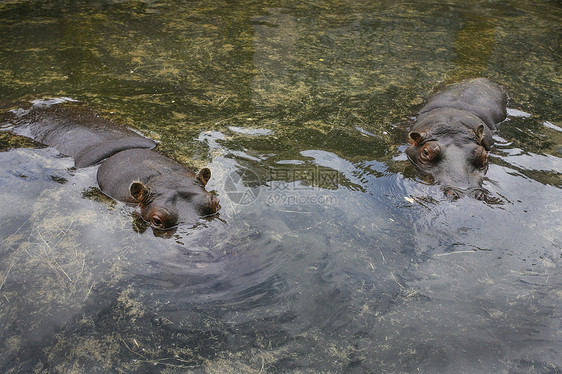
(340, 258)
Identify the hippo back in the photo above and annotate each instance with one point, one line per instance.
(485, 99)
(86, 137)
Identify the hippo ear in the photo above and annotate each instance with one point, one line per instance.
(415, 137)
(204, 176)
(479, 131)
(140, 192)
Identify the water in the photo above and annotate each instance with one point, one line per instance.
(330, 253)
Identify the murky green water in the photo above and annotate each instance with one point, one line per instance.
(330, 253)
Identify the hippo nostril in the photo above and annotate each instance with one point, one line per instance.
(479, 194)
(452, 194)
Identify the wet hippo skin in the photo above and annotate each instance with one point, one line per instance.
(453, 133)
(167, 192)
(84, 136)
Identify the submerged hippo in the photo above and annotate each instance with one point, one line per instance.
(167, 193)
(453, 133)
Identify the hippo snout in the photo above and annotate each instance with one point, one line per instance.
(453, 193)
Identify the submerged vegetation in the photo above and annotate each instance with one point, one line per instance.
(344, 259)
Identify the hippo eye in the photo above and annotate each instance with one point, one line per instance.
(430, 152)
(156, 221)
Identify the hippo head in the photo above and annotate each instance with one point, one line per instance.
(168, 200)
(456, 158)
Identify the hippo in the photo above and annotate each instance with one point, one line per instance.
(452, 135)
(130, 170)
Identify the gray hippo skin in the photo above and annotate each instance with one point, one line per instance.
(453, 133)
(167, 192)
(84, 136)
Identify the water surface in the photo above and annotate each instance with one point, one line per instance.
(331, 254)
